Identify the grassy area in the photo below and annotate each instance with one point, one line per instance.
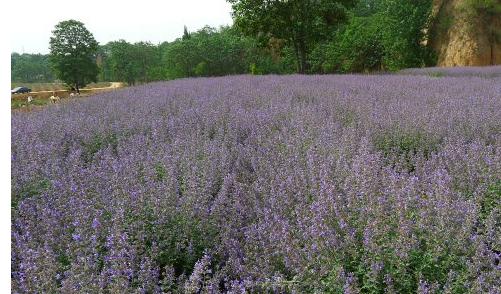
(35, 87)
(17, 103)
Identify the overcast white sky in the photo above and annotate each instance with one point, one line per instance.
(140, 20)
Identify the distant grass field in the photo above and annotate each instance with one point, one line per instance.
(18, 103)
(35, 87)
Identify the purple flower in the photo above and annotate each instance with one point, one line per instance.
(76, 237)
(332, 183)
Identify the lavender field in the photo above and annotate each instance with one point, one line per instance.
(262, 184)
(458, 71)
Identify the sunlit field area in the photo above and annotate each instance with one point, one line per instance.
(263, 184)
(36, 87)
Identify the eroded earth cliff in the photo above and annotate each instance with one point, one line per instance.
(465, 35)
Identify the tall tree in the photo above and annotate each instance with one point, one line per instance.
(147, 59)
(73, 54)
(301, 23)
(186, 34)
(124, 61)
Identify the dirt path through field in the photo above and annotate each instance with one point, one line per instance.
(63, 94)
(113, 85)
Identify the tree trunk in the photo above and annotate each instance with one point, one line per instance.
(296, 52)
(302, 57)
(492, 53)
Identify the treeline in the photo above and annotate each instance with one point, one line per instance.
(306, 36)
(348, 37)
(206, 52)
(30, 68)
(378, 35)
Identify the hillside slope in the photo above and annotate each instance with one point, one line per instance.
(461, 35)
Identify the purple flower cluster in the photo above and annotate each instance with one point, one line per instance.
(457, 71)
(245, 184)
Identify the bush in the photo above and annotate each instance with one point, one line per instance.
(387, 37)
(360, 46)
(402, 146)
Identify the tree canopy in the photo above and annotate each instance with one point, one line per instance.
(30, 68)
(301, 23)
(268, 36)
(73, 54)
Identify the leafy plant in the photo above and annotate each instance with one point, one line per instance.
(73, 54)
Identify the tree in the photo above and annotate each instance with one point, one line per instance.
(209, 52)
(186, 34)
(124, 61)
(73, 54)
(301, 23)
(30, 68)
(404, 23)
(380, 35)
(148, 58)
(360, 47)
(105, 73)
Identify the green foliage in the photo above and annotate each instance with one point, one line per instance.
(437, 74)
(253, 69)
(19, 103)
(179, 240)
(268, 37)
(482, 7)
(148, 58)
(30, 68)
(380, 35)
(31, 189)
(399, 144)
(403, 33)
(262, 63)
(424, 262)
(186, 34)
(360, 47)
(301, 23)
(140, 62)
(196, 237)
(445, 23)
(97, 143)
(160, 172)
(209, 52)
(491, 200)
(402, 143)
(123, 61)
(201, 69)
(73, 54)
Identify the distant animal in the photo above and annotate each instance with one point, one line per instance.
(29, 99)
(54, 98)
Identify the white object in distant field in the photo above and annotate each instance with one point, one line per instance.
(30, 99)
(54, 99)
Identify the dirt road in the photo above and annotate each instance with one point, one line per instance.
(113, 85)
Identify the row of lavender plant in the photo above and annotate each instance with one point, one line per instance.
(456, 71)
(279, 184)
